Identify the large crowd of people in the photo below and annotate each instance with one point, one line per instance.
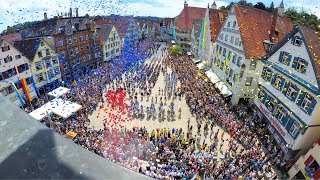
(169, 153)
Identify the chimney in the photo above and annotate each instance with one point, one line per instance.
(70, 12)
(77, 13)
(45, 16)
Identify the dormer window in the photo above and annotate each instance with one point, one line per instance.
(268, 46)
(297, 41)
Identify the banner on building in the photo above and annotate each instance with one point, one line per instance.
(26, 89)
(22, 102)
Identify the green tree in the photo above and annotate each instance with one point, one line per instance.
(260, 5)
(271, 7)
(303, 19)
(175, 50)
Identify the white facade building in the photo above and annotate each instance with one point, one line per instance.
(236, 59)
(289, 93)
(13, 68)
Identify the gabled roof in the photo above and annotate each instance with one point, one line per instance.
(28, 47)
(105, 31)
(11, 37)
(120, 22)
(217, 19)
(255, 25)
(313, 44)
(186, 17)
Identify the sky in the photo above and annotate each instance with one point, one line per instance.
(19, 11)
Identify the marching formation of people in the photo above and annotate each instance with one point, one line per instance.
(169, 153)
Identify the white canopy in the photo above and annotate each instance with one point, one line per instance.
(196, 60)
(212, 76)
(41, 112)
(59, 92)
(57, 106)
(64, 108)
(189, 53)
(201, 66)
(224, 90)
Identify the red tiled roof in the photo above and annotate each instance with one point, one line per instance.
(186, 17)
(255, 25)
(11, 37)
(120, 22)
(217, 19)
(312, 39)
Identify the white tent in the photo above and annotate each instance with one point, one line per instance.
(64, 108)
(201, 66)
(57, 106)
(224, 90)
(212, 76)
(41, 112)
(59, 92)
(189, 53)
(196, 61)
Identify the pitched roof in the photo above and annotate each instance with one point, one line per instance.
(217, 19)
(105, 31)
(186, 17)
(11, 37)
(120, 22)
(28, 47)
(251, 20)
(313, 44)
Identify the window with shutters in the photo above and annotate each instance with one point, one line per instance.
(230, 73)
(234, 58)
(226, 38)
(261, 94)
(232, 39)
(39, 77)
(294, 129)
(235, 77)
(23, 67)
(301, 65)
(40, 54)
(239, 61)
(220, 50)
(270, 104)
(48, 63)
(38, 65)
(286, 58)
(7, 59)
(277, 83)
(18, 56)
(280, 113)
(291, 91)
(221, 65)
(306, 102)
(297, 41)
(224, 52)
(5, 48)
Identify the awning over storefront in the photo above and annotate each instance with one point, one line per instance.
(201, 66)
(224, 90)
(212, 76)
